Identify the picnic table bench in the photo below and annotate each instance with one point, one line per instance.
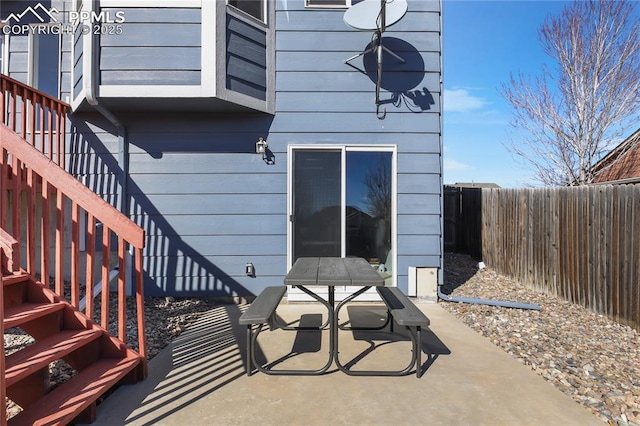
(261, 311)
(406, 314)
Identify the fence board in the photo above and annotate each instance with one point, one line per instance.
(635, 264)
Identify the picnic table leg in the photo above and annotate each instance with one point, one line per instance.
(333, 324)
(349, 299)
(418, 350)
(322, 370)
(249, 350)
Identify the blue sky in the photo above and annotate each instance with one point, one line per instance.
(484, 42)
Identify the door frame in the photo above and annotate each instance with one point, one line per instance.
(343, 148)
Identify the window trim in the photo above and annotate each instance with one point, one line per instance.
(345, 5)
(33, 63)
(4, 45)
(245, 15)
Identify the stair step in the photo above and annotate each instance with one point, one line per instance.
(20, 314)
(62, 405)
(10, 279)
(40, 354)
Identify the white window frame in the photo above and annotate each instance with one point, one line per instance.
(3, 45)
(338, 4)
(265, 11)
(33, 63)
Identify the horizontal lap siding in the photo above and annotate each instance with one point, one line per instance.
(208, 204)
(159, 46)
(322, 100)
(93, 156)
(246, 59)
(19, 58)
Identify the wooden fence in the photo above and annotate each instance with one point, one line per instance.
(463, 220)
(580, 243)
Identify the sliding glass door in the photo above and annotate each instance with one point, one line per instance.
(341, 204)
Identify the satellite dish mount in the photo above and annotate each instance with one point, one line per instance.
(376, 16)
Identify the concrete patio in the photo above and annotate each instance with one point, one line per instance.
(200, 378)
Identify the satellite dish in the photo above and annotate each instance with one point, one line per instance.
(376, 15)
(367, 15)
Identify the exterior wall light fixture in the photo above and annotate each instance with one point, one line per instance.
(261, 148)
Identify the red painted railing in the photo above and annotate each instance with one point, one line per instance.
(39, 200)
(39, 118)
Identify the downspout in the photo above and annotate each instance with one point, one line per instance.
(477, 301)
(123, 152)
(123, 147)
(91, 63)
(504, 304)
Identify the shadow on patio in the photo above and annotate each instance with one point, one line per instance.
(200, 379)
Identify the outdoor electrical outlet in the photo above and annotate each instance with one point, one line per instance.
(250, 270)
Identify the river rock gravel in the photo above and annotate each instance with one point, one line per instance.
(591, 358)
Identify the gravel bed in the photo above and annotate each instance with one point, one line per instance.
(587, 356)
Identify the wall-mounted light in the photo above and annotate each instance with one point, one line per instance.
(261, 148)
(250, 270)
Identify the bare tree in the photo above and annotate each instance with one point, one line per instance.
(566, 117)
(378, 183)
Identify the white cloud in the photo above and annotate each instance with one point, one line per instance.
(461, 100)
(453, 165)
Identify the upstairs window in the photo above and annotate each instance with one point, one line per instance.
(255, 8)
(331, 3)
(45, 72)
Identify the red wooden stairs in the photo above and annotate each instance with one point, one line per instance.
(46, 216)
(60, 333)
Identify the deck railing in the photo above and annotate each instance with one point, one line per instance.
(58, 221)
(39, 118)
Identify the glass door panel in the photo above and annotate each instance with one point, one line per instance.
(368, 209)
(317, 203)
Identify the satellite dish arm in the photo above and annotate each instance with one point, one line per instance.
(383, 16)
(383, 114)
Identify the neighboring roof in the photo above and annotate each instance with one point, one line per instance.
(475, 185)
(622, 164)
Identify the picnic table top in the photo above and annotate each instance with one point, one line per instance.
(333, 271)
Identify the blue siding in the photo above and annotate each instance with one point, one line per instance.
(322, 100)
(246, 59)
(93, 159)
(208, 203)
(310, 80)
(158, 46)
(18, 58)
(196, 187)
